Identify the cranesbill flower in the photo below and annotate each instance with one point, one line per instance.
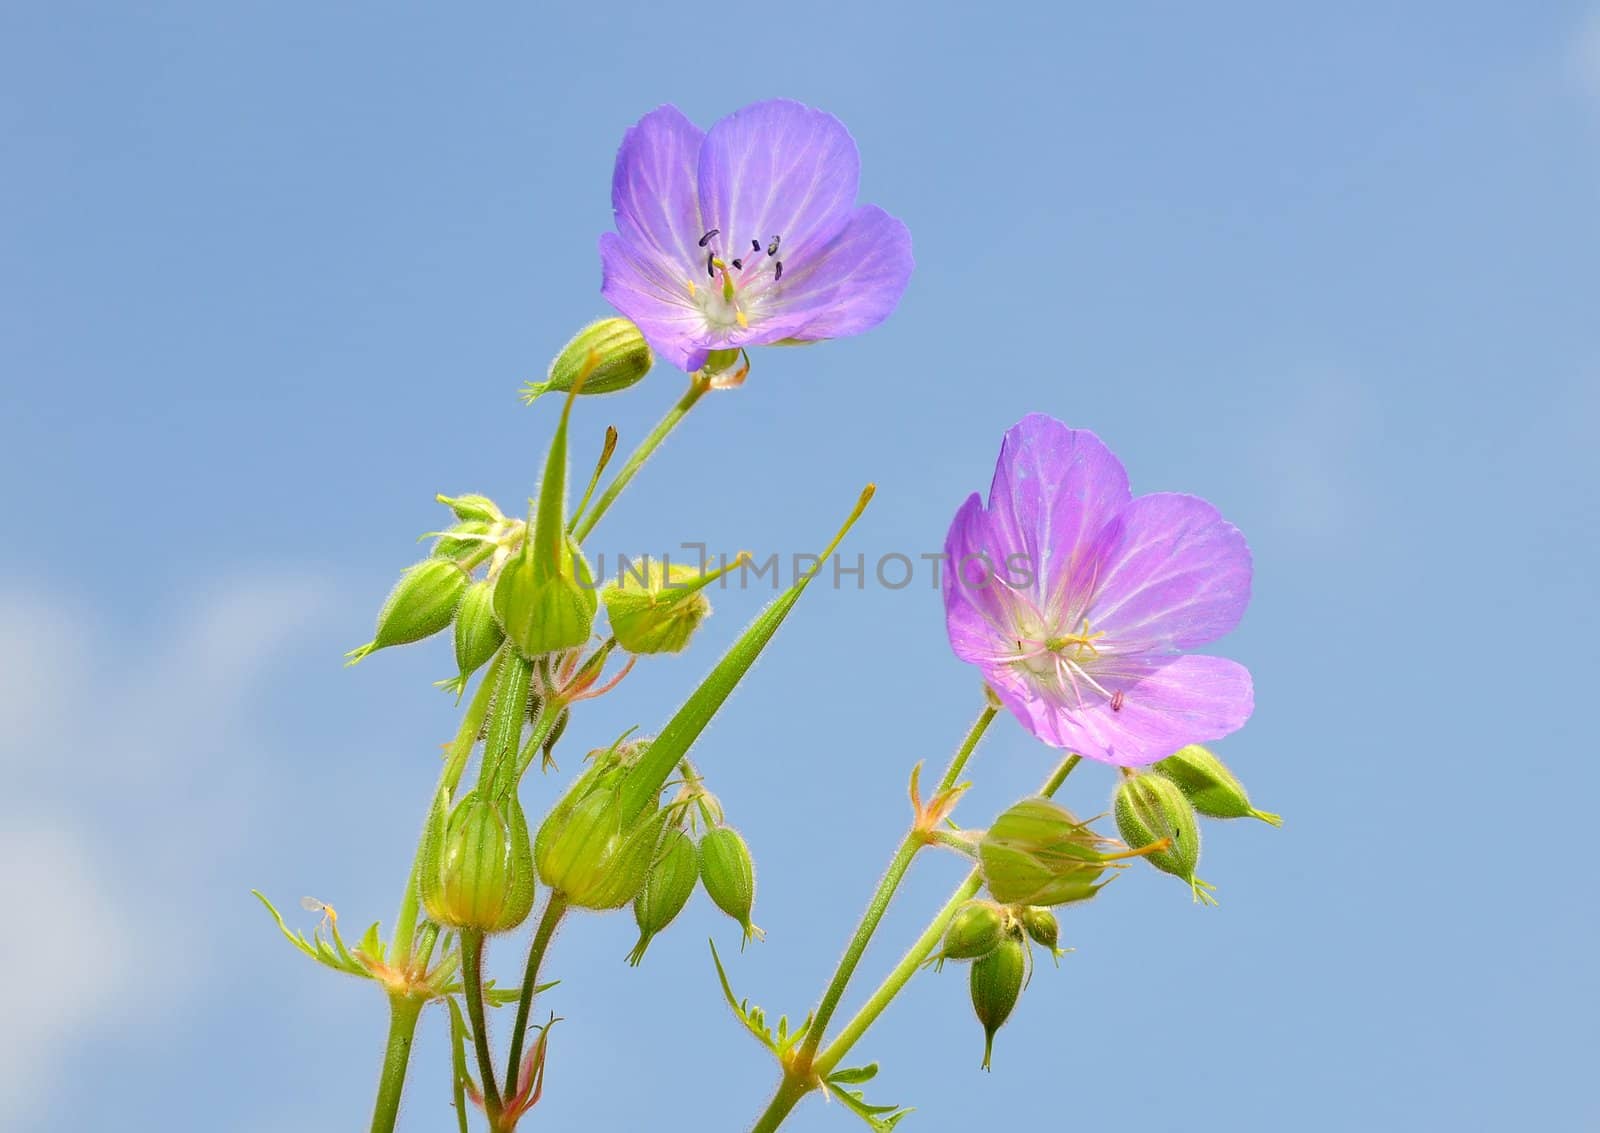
(747, 233)
(1077, 599)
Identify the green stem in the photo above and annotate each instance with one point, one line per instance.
(403, 1013)
(554, 909)
(913, 841)
(472, 982)
(582, 525)
(793, 1088)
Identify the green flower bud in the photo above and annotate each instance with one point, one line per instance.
(478, 634)
(655, 608)
(729, 876)
(470, 508)
(420, 605)
(546, 607)
(1211, 787)
(609, 355)
(1042, 928)
(1037, 853)
(584, 853)
(666, 890)
(996, 983)
(1150, 809)
(477, 864)
(974, 931)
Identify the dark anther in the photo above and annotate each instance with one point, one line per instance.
(738, 265)
(755, 245)
(711, 264)
(772, 248)
(777, 272)
(706, 239)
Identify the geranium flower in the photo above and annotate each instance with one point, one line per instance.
(1076, 599)
(747, 234)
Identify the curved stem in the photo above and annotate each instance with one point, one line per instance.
(403, 1013)
(879, 904)
(554, 909)
(583, 524)
(472, 982)
(793, 1088)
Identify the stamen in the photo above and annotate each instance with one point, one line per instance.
(777, 272)
(738, 265)
(772, 248)
(1116, 701)
(706, 239)
(711, 264)
(755, 245)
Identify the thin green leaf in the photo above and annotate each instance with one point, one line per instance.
(854, 1075)
(680, 733)
(337, 957)
(880, 1118)
(458, 1063)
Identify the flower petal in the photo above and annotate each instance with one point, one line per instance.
(653, 187)
(974, 610)
(1165, 704)
(1054, 489)
(778, 169)
(852, 284)
(1173, 575)
(637, 284)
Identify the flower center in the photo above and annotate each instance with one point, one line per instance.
(1063, 659)
(740, 279)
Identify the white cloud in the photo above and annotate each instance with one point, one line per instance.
(145, 721)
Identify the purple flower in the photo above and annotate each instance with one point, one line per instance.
(1076, 600)
(748, 233)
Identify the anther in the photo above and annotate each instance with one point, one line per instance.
(772, 248)
(755, 245)
(711, 264)
(706, 239)
(738, 265)
(777, 272)
(1116, 701)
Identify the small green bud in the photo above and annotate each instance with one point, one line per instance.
(1150, 809)
(1037, 853)
(974, 931)
(609, 355)
(544, 607)
(729, 876)
(996, 983)
(1211, 787)
(473, 508)
(420, 605)
(584, 853)
(478, 635)
(666, 890)
(655, 608)
(1042, 928)
(477, 864)
(463, 540)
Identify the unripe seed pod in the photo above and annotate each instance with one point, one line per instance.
(459, 542)
(477, 864)
(1042, 928)
(666, 890)
(655, 607)
(1038, 853)
(545, 607)
(420, 605)
(610, 355)
(729, 876)
(584, 853)
(974, 931)
(1150, 808)
(478, 635)
(996, 983)
(1213, 790)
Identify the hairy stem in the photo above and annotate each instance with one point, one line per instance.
(472, 982)
(554, 909)
(583, 524)
(403, 1013)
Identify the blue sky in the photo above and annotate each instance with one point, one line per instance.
(272, 278)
